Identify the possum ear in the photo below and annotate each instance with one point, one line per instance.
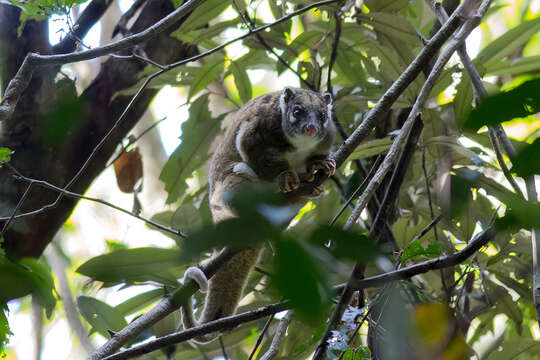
(287, 95)
(327, 98)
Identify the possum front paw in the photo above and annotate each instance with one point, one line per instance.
(288, 181)
(328, 166)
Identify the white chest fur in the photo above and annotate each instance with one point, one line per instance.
(304, 147)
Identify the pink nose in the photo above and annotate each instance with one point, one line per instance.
(310, 129)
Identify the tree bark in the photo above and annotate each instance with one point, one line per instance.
(47, 103)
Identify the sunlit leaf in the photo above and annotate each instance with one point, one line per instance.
(519, 102)
(100, 315)
(242, 82)
(135, 265)
(508, 42)
(202, 15)
(198, 132)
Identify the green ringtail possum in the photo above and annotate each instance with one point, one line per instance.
(281, 138)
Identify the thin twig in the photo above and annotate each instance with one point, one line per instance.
(251, 25)
(278, 337)
(261, 336)
(47, 185)
(17, 207)
(232, 321)
(333, 55)
(442, 262)
(358, 189)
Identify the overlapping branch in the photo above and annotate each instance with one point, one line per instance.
(230, 322)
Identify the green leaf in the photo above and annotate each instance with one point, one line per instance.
(27, 276)
(5, 155)
(513, 67)
(386, 5)
(508, 42)
(5, 331)
(345, 244)
(198, 132)
(500, 296)
(187, 218)
(199, 35)
(463, 100)
(305, 40)
(394, 26)
(348, 62)
(517, 349)
(414, 250)
(135, 265)
(100, 315)
(300, 278)
(139, 301)
(203, 14)
(519, 102)
(242, 82)
(206, 74)
(526, 162)
(371, 148)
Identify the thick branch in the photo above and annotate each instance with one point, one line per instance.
(395, 149)
(434, 264)
(232, 321)
(498, 138)
(401, 83)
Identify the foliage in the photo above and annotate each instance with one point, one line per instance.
(453, 172)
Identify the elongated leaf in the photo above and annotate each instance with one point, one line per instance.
(386, 5)
(200, 35)
(514, 67)
(205, 75)
(519, 102)
(139, 301)
(508, 42)
(198, 132)
(300, 278)
(202, 15)
(242, 82)
(135, 265)
(100, 315)
(463, 99)
(371, 148)
(517, 349)
(392, 25)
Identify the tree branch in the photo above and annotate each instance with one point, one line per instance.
(232, 321)
(442, 262)
(91, 14)
(166, 306)
(278, 337)
(498, 137)
(47, 185)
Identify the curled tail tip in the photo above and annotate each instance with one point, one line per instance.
(197, 275)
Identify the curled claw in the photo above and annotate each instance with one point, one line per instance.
(288, 181)
(326, 165)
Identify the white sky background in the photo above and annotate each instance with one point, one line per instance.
(94, 223)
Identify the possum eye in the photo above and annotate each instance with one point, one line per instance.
(297, 111)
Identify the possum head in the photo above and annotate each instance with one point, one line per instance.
(305, 114)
